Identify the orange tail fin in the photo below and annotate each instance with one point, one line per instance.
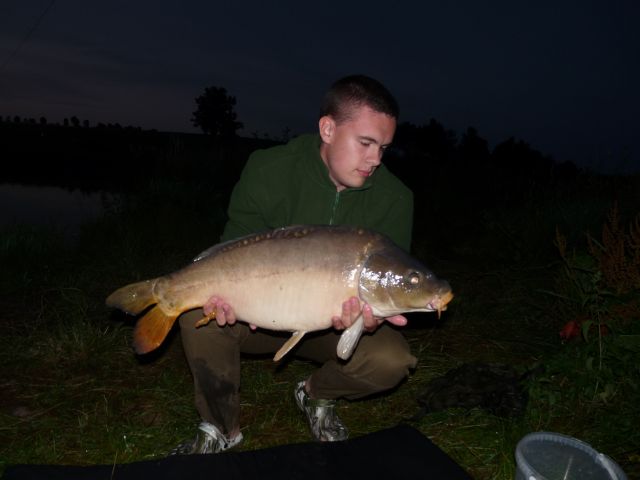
(151, 330)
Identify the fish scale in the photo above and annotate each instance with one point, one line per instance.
(289, 279)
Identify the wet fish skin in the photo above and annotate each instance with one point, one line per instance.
(290, 279)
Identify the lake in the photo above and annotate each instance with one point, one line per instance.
(48, 206)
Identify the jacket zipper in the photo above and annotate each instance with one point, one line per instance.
(336, 199)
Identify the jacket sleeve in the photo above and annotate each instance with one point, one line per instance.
(245, 213)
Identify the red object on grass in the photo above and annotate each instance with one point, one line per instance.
(570, 330)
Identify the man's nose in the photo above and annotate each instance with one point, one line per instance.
(374, 156)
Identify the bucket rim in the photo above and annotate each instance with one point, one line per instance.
(612, 468)
(556, 436)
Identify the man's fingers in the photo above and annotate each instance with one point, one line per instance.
(370, 322)
(350, 312)
(221, 319)
(224, 314)
(398, 320)
(229, 314)
(210, 306)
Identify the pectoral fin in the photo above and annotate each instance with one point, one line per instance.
(349, 339)
(289, 344)
(206, 319)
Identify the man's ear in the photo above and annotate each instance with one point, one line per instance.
(327, 127)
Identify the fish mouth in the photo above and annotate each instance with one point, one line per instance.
(439, 303)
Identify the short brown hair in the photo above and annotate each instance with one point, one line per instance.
(355, 91)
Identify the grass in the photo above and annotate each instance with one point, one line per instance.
(74, 393)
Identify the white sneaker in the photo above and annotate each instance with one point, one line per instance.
(323, 420)
(208, 440)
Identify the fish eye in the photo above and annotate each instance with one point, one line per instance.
(414, 278)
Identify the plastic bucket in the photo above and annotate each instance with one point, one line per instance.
(553, 456)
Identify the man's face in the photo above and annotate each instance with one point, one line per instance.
(353, 149)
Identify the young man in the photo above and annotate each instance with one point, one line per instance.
(333, 177)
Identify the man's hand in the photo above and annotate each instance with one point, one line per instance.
(224, 314)
(351, 311)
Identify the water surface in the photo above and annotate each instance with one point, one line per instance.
(47, 206)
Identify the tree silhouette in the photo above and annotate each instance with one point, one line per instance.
(215, 114)
(473, 150)
(431, 141)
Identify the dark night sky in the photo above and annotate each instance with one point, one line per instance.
(561, 75)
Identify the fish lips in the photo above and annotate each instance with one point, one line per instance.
(440, 302)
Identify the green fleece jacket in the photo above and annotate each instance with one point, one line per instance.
(290, 185)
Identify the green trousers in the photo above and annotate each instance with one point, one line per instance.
(381, 361)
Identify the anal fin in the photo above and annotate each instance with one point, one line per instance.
(289, 344)
(349, 339)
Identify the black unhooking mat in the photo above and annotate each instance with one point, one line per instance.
(401, 452)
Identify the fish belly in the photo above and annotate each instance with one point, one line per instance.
(290, 302)
(302, 296)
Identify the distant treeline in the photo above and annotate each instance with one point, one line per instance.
(428, 156)
(114, 158)
(433, 161)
